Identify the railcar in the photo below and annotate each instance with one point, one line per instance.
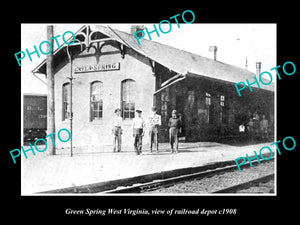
(34, 116)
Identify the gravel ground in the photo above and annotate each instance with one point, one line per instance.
(224, 180)
(267, 187)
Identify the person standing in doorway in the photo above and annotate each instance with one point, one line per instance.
(264, 127)
(256, 125)
(138, 126)
(250, 129)
(117, 130)
(154, 123)
(174, 126)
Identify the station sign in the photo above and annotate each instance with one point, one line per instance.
(97, 67)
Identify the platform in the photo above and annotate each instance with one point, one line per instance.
(43, 172)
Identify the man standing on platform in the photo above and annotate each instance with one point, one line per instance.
(138, 126)
(154, 123)
(117, 130)
(264, 127)
(175, 125)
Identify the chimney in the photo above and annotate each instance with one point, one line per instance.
(258, 68)
(135, 28)
(214, 49)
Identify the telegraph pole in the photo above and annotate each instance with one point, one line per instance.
(50, 92)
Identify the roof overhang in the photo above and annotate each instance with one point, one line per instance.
(270, 87)
(59, 55)
(179, 77)
(174, 79)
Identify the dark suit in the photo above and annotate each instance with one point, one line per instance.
(174, 124)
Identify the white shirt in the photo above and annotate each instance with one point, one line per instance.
(264, 124)
(154, 120)
(242, 128)
(138, 122)
(117, 121)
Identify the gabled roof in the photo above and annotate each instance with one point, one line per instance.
(181, 61)
(59, 55)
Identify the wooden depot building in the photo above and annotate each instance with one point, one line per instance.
(110, 70)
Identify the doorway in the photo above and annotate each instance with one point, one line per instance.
(180, 105)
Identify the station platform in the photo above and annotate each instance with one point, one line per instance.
(43, 172)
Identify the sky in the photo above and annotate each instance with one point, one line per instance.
(234, 42)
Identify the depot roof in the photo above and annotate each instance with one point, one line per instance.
(179, 61)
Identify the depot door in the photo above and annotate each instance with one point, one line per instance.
(180, 105)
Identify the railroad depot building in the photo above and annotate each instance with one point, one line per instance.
(110, 70)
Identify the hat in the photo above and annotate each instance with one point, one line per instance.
(138, 111)
(154, 108)
(116, 110)
(174, 111)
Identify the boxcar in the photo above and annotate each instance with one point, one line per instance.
(35, 116)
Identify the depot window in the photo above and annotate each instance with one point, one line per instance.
(223, 110)
(207, 99)
(164, 104)
(96, 100)
(210, 108)
(222, 100)
(66, 114)
(128, 94)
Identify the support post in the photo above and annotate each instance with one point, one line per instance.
(71, 108)
(71, 100)
(50, 92)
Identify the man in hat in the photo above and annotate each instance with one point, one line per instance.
(154, 122)
(264, 127)
(138, 126)
(175, 125)
(117, 130)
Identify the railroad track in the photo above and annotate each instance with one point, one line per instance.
(247, 185)
(162, 183)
